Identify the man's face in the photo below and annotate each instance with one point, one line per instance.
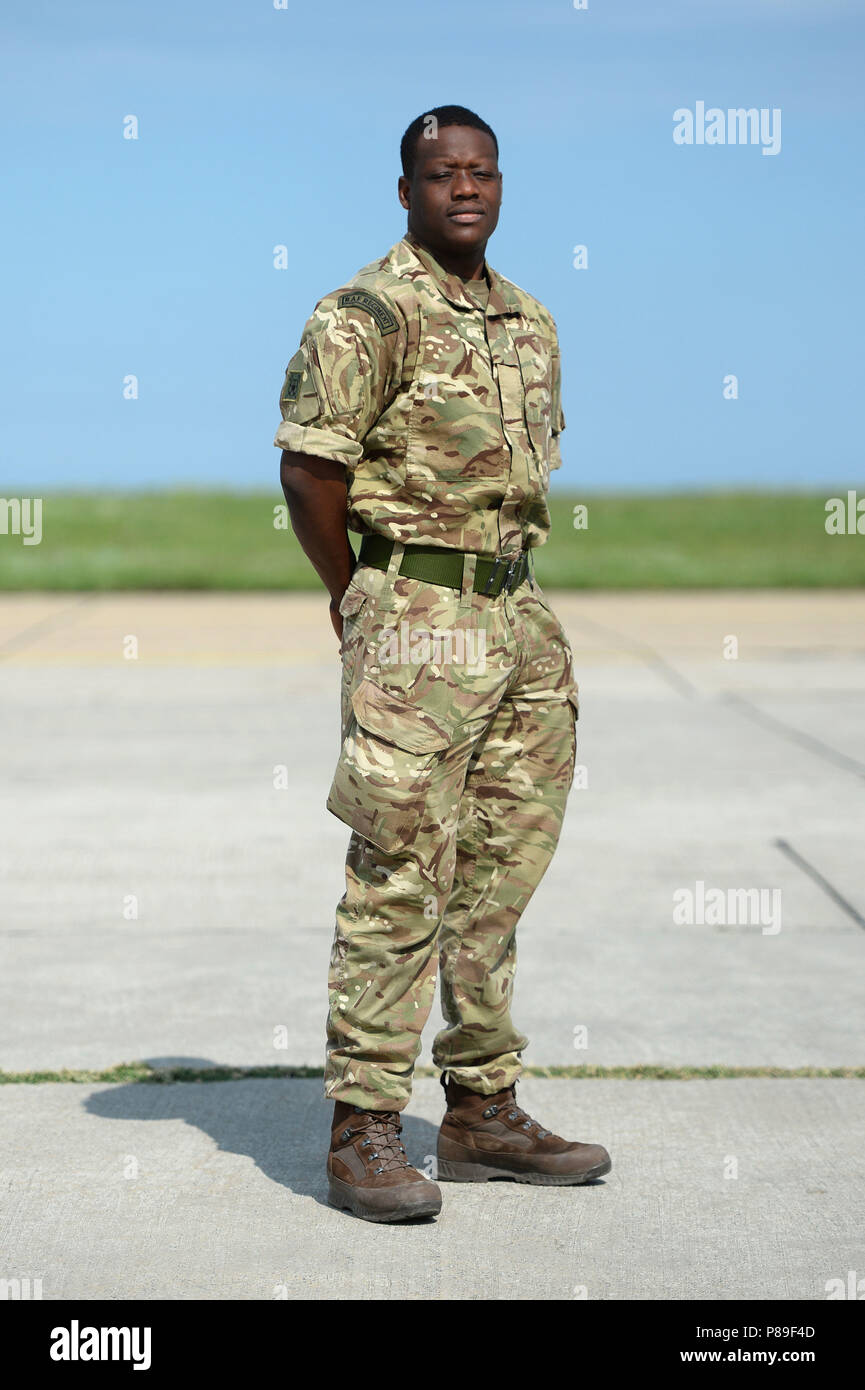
(454, 197)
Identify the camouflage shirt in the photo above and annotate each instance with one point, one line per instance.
(445, 414)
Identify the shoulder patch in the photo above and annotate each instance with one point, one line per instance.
(363, 299)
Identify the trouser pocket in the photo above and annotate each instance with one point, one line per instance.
(391, 782)
(574, 702)
(355, 602)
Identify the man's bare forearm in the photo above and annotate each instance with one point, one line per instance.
(315, 490)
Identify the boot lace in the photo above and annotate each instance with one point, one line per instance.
(516, 1112)
(382, 1129)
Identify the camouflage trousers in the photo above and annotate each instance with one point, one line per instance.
(459, 743)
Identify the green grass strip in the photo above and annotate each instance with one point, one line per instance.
(143, 1072)
(199, 540)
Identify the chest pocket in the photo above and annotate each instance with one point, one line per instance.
(536, 364)
(455, 423)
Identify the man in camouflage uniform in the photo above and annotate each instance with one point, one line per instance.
(423, 411)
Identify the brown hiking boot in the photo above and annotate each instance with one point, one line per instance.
(483, 1137)
(368, 1171)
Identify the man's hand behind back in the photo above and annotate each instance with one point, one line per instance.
(336, 617)
(316, 492)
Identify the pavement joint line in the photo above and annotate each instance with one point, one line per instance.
(815, 875)
(140, 1073)
(674, 678)
(814, 745)
(29, 636)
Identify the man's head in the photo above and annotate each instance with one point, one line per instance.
(451, 184)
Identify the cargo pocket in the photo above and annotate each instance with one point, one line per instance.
(535, 367)
(386, 785)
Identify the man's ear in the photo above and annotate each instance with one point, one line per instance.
(403, 191)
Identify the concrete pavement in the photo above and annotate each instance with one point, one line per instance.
(719, 1189)
(163, 896)
(169, 877)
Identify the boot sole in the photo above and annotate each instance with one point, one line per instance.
(340, 1194)
(449, 1171)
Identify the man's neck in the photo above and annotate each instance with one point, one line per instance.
(467, 267)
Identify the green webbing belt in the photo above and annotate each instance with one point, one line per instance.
(435, 564)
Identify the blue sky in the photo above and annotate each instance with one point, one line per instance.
(260, 127)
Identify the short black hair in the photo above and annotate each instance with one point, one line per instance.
(444, 115)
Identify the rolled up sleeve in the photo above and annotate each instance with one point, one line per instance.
(343, 375)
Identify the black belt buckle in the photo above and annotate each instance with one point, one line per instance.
(510, 569)
(512, 572)
(498, 562)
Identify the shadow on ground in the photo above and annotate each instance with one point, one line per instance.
(283, 1125)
